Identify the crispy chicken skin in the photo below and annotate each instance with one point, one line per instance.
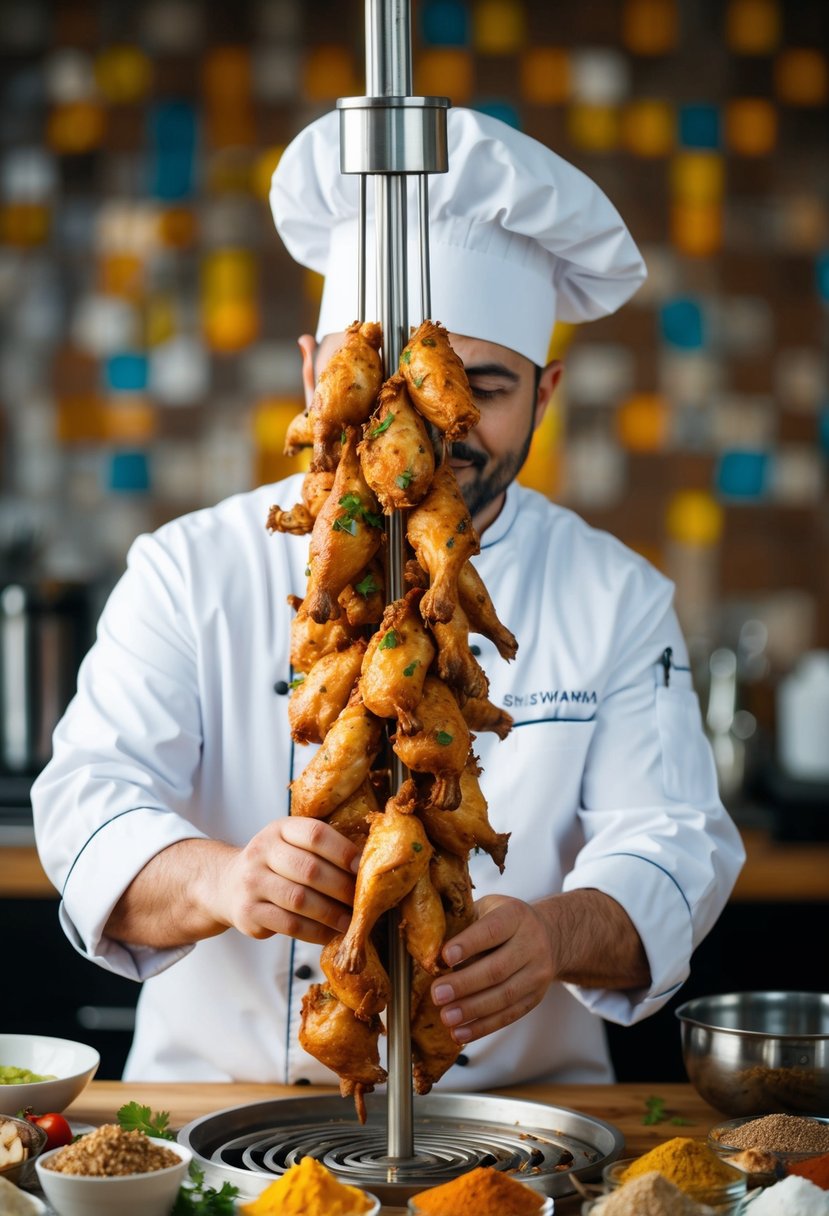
(299, 435)
(396, 452)
(351, 817)
(480, 714)
(341, 764)
(456, 663)
(367, 991)
(468, 826)
(396, 854)
(347, 534)
(450, 878)
(334, 1035)
(433, 1048)
(396, 662)
(476, 603)
(423, 922)
(441, 533)
(441, 746)
(364, 600)
(310, 641)
(299, 520)
(346, 389)
(318, 701)
(437, 382)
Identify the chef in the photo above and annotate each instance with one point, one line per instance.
(163, 817)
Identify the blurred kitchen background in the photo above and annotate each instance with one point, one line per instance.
(148, 360)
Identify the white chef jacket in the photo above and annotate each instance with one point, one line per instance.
(176, 731)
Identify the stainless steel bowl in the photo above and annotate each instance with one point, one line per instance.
(756, 1053)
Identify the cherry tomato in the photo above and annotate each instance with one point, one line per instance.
(58, 1131)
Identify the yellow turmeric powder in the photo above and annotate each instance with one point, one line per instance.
(688, 1163)
(309, 1189)
(482, 1192)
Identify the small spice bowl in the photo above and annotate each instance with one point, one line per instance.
(34, 1142)
(718, 1139)
(150, 1194)
(545, 1210)
(723, 1198)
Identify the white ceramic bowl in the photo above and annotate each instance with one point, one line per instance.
(151, 1194)
(72, 1064)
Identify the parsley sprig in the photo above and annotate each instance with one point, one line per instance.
(655, 1112)
(194, 1198)
(353, 511)
(135, 1117)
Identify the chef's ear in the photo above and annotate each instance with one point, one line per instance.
(308, 346)
(547, 384)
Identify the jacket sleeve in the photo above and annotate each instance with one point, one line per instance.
(125, 757)
(657, 837)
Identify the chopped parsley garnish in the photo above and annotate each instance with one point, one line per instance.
(450, 544)
(351, 503)
(461, 526)
(417, 846)
(354, 510)
(383, 426)
(404, 479)
(345, 523)
(135, 1117)
(410, 670)
(390, 641)
(418, 380)
(429, 342)
(297, 680)
(196, 1199)
(444, 738)
(366, 586)
(407, 355)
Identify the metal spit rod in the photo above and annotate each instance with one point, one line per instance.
(391, 134)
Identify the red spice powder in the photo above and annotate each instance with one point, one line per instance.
(816, 1169)
(482, 1192)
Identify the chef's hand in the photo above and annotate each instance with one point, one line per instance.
(506, 967)
(295, 877)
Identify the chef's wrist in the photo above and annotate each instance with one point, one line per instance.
(593, 942)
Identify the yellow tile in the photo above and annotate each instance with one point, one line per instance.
(752, 27)
(499, 27)
(697, 177)
(642, 423)
(80, 419)
(445, 72)
(750, 126)
(130, 421)
(696, 228)
(694, 517)
(160, 322)
(231, 325)
(329, 73)
(801, 77)
(123, 74)
(121, 274)
(594, 128)
(563, 334)
(544, 76)
(24, 224)
(227, 273)
(263, 170)
(648, 128)
(313, 283)
(271, 416)
(650, 27)
(76, 126)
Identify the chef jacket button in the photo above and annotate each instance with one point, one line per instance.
(281, 687)
(462, 1060)
(302, 1081)
(304, 972)
(476, 650)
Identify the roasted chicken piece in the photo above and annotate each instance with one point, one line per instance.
(396, 452)
(310, 641)
(346, 389)
(367, 991)
(441, 533)
(450, 878)
(364, 600)
(299, 520)
(437, 382)
(347, 533)
(351, 817)
(334, 1035)
(319, 699)
(456, 663)
(396, 854)
(396, 662)
(299, 435)
(423, 922)
(480, 714)
(441, 746)
(480, 611)
(468, 826)
(433, 1048)
(341, 764)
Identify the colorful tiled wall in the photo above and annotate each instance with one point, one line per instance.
(148, 361)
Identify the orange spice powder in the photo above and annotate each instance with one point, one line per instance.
(482, 1192)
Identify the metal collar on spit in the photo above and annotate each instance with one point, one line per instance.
(392, 135)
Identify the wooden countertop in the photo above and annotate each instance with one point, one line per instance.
(621, 1105)
(774, 872)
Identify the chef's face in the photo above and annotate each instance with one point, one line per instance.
(512, 397)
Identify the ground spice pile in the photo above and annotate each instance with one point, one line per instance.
(792, 1197)
(308, 1189)
(688, 1163)
(111, 1152)
(780, 1134)
(482, 1192)
(650, 1195)
(816, 1169)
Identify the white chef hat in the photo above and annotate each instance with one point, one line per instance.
(518, 236)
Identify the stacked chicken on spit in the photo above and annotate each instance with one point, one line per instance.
(365, 665)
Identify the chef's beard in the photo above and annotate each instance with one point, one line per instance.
(492, 480)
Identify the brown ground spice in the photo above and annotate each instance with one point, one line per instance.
(649, 1195)
(780, 1134)
(482, 1192)
(111, 1152)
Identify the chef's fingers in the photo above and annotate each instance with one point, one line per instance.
(320, 838)
(495, 1007)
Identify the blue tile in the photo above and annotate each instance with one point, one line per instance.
(129, 472)
(743, 475)
(498, 108)
(682, 324)
(822, 273)
(699, 126)
(126, 373)
(445, 23)
(823, 428)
